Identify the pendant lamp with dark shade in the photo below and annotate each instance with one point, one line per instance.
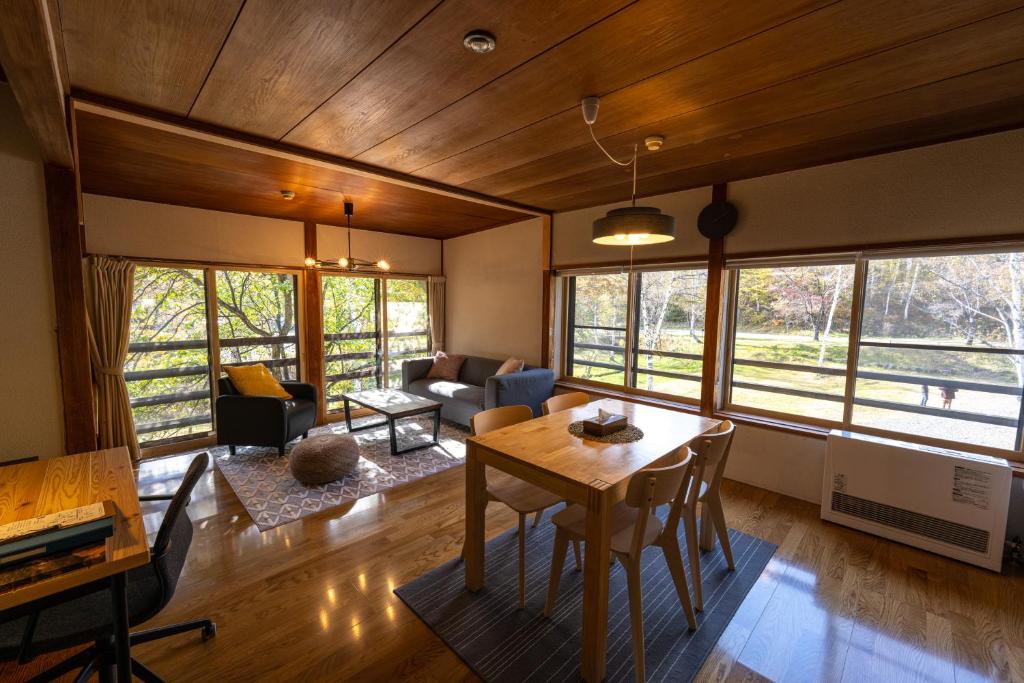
(632, 225)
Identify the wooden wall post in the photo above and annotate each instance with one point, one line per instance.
(547, 293)
(67, 249)
(713, 313)
(313, 320)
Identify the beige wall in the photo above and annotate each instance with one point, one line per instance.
(127, 227)
(494, 292)
(31, 417)
(963, 189)
(417, 255)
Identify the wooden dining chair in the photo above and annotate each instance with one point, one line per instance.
(560, 402)
(521, 496)
(710, 454)
(634, 526)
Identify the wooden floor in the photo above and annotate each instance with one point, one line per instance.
(313, 600)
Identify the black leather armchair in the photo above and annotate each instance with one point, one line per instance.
(264, 420)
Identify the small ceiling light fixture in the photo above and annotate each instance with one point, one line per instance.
(633, 225)
(350, 262)
(287, 194)
(480, 42)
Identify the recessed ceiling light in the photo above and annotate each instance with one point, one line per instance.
(287, 194)
(480, 42)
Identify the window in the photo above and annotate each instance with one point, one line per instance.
(597, 313)
(256, 319)
(940, 348)
(408, 327)
(352, 344)
(669, 328)
(791, 338)
(167, 369)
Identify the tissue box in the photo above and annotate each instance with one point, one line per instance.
(611, 423)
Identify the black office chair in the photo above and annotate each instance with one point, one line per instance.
(67, 620)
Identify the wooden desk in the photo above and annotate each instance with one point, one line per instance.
(46, 486)
(590, 473)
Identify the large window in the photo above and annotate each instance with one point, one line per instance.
(790, 339)
(939, 352)
(168, 365)
(408, 326)
(664, 323)
(669, 331)
(256, 319)
(598, 312)
(352, 341)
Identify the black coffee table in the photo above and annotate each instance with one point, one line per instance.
(393, 405)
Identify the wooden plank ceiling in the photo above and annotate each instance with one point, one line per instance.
(739, 88)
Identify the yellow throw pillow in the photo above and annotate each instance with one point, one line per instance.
(510, 366)
(255, 380)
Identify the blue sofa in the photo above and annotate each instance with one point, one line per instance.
(478, 388)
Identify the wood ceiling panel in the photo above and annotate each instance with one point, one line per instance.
(429, 68)
(636, 43)
(939, 57)
(834, 35)
(285, 58)
(123, 159)
(150, 52)
(730, 160)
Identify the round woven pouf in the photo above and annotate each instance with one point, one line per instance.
(323, 458)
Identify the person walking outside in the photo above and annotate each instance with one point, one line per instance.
(948, 394)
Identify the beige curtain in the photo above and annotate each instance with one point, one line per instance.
(110, 310)
(435, 302)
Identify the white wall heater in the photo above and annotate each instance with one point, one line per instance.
(948, 502)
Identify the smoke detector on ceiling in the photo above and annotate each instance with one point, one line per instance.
(480, 42)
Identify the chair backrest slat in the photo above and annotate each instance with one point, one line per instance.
(560, 402)
(668, 482)
(711, 453)
(496, 418)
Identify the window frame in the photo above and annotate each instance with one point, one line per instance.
(631, 331)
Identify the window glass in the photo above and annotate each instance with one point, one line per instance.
(352, 345)
(408, 329)
(936, 348)
(167, 369)
(670, 331)
(256, 318)
(597, 327)
(791, 339)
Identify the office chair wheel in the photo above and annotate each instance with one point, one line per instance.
(209, 631)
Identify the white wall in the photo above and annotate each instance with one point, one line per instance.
(494, 292)
(31, 415)
(126, 227)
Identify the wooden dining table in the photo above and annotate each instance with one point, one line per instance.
(590, 473)
(33, 489)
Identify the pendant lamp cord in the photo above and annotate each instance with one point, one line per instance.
(631, 162)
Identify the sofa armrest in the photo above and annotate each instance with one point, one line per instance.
(301, 390)
(527, 388)
(252, 419)
(415, 369)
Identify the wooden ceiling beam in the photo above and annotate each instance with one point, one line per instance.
(216, 136)
(29, 45)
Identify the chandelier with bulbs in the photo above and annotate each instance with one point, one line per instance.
(350, 262)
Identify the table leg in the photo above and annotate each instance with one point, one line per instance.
(392, 436)
(437, 424)
(476, 505)
(122, 651)
(595, 586)
(348, 414)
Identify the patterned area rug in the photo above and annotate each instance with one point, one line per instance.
(261, 478)
(503, 643)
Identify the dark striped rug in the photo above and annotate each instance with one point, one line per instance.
(502, 643)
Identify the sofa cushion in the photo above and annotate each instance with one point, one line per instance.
(446, 367)
(255, 380)
(476, 370)
(445, 391)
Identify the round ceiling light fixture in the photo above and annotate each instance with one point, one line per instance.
(480, 42)
(634, 226)
(287, 194)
